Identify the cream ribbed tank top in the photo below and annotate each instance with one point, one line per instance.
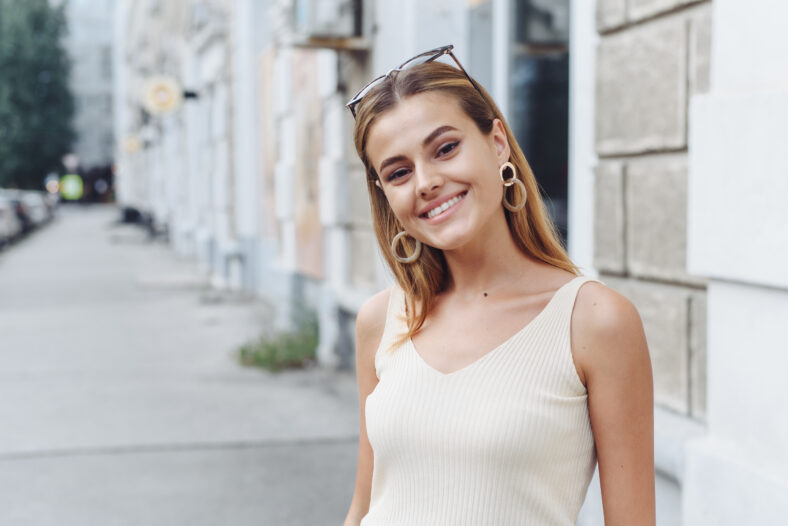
(503, 441)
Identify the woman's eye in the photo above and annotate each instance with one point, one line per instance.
(447, 148)
(396, 174)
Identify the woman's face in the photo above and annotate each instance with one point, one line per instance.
(438, 171)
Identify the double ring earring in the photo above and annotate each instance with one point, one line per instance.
(408, 259)
(512, 181)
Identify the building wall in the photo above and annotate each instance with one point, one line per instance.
(90, 45)
(187, 170)
(736, 473)
(651, 58)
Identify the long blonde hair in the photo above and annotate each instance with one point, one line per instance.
(531, 228)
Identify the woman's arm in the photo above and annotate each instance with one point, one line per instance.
(370, 322)
(610, 350)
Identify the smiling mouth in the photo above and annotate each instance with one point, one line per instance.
(438, 210)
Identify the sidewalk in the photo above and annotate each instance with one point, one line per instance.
(121, 402)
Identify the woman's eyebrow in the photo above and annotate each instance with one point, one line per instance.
(391, 160)
(438, 131)
(431, 137)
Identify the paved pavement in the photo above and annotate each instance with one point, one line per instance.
(121, 402)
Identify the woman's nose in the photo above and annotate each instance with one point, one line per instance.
(427, 181)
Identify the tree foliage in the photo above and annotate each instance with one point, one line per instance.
(36, 105)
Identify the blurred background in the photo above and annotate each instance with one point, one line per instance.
(186, 239)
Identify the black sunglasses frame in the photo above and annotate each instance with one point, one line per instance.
(431, 55)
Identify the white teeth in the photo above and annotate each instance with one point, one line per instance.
(445, 206)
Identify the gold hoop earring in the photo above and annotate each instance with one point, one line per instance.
(409, 259)
(512, 181)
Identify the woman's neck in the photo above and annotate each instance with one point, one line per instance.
(490, 264)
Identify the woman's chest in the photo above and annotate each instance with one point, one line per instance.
(453, 339)
(484, 411)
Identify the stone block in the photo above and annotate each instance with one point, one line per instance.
(327, 72)
(743, 26)
(747, 398)
(641, 89)
(641, 9)
(610, 14)
(335, 134)
(700, 49)
(363, 254)
(288, 255)
(286, 140)
(336, 251)
(284, 190)
(334, 197)
(698, 355)
(656, 216)
(664, 310)
(609, 246)
(219, 114)
(283, 88)
(723, 487)
(738, 186)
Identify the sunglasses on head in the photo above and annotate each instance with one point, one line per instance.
(421, 58)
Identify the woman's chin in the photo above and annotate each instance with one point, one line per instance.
(449, 243)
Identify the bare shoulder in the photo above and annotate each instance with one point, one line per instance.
(601, 311)
(606, 331)
(609, 345)
(371, 320)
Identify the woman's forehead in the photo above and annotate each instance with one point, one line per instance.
(411, 121)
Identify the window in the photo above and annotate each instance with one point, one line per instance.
(539, 95)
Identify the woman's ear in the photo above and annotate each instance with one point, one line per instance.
(377, 183)
(500, 142)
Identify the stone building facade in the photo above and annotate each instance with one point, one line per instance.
(737, 472)
(689, 104)
(650, 58)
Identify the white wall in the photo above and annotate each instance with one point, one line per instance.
(738, 184)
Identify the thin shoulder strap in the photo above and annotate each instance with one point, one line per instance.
(570, 291)
(395, 317)
(395, 326)
(574, 286)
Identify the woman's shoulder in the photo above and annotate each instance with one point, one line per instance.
(606, 328)
(599, 309)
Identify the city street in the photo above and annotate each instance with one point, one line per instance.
(122, 401)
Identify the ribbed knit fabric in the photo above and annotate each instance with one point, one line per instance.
(503, 441)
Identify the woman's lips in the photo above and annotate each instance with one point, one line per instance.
(444, 209)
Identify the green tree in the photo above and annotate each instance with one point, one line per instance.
(36, 105)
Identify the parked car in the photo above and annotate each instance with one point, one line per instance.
(37, 207)
(21, 208)
(52, 201)
(10, 226)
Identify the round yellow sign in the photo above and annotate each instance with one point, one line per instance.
(162, 95)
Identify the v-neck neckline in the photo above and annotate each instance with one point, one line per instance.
(495, 349)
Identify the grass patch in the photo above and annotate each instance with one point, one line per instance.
(284, 350)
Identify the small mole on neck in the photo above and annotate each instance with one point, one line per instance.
(485, 294)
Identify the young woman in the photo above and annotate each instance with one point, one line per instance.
(492, 376)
